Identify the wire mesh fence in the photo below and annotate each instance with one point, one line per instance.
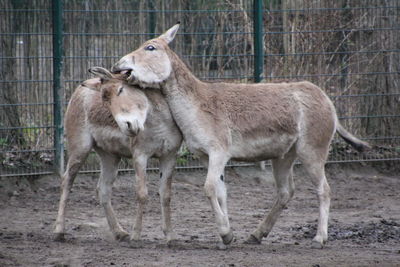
(350, 48)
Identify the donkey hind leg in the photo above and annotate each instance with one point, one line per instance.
(283, 174)
(75, 160)
(140, 163)
(109, 171)
(216, 192)
(167, 165)
(316, 170)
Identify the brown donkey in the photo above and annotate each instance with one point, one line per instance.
(118, 120)
(279, 121)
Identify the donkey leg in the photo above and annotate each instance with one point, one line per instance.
(109, 171)
(140, 163)
(282, 170)
(167, 165)
(77, 157)
(216, 192)
(316, 170)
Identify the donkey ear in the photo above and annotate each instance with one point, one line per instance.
(94, 84)
(169, 35)
(102, 73)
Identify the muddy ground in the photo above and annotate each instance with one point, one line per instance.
(364, 228)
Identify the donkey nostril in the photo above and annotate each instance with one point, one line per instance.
(129, 125)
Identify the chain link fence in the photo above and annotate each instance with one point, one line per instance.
(350, 48)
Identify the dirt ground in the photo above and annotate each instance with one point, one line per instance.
(364, 228)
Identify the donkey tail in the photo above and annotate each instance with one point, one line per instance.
(351, 139)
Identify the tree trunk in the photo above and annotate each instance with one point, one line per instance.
(8, 93)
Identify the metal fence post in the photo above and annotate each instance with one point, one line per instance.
(58, 90)
(152, 19)
(258, 40)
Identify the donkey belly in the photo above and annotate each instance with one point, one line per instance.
(112, 140)
(270, 147)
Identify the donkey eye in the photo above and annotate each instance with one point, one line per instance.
(150, 48)
(120, 90)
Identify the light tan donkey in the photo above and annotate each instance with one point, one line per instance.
(118, 120)
(248, 122)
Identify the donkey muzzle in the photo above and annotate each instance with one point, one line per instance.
(130, 126)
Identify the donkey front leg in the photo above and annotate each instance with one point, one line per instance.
(140, 163)
(109, 171)
(216, 192)
(167, 165)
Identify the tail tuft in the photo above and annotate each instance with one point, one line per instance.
(359, 145)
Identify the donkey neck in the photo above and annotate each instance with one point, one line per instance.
(182, 88)
(186, 95)
(182, 79)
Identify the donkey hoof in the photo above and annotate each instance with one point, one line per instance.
(173, 243)
(135, 243)
(317, 245)
(252, 240)
(59, 237)
(228, 238)
(221, 246)
(122, 236)
(170, 237)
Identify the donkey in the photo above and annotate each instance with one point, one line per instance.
(118, 120)
(248, 122)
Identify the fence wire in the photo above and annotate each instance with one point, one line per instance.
(350, 48)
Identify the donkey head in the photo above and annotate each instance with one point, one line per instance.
(150, 64)
(128, 105)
